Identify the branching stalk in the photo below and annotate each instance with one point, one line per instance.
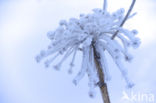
(102, 85)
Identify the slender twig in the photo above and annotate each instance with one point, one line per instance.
(102, 85)
(126, 17)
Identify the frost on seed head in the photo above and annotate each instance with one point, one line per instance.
(79, 34)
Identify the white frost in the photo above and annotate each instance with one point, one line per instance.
(79, 34)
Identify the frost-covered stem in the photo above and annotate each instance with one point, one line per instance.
(126, 17)
(101, 83)
(105, 5)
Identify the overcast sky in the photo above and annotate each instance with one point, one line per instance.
(23, 28)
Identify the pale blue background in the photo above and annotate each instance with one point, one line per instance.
(23, 28)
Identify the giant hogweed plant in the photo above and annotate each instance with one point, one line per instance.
(94, 34)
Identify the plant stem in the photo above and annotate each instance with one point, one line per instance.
(128, 13)
(101, 83)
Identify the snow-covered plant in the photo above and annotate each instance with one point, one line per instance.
(88, 33)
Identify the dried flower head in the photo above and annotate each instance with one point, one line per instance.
(95, 29)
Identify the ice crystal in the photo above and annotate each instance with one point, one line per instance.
(79, 34)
